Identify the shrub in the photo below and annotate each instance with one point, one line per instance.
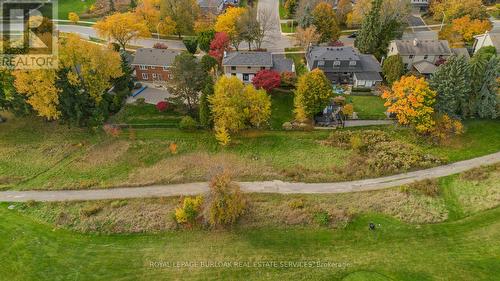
(287, 126)
(348, 109)
(296, 203)
(344, 139)
(322, 218)
(340, 100)
(160, 45)
(288, 79)
(140, 101)
(222, 136)
(90, 210)
(445, 128)
(189, 211)
(162, 106)
(188, 123)
(172, 148)
(111, 130)
(225, 202)
(427, 187)
(478, 174)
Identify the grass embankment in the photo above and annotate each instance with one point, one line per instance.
(463, 248)
(40, 155)
(144, 115)
(77, 6)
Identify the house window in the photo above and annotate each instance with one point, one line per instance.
(426, 57)
(152, 67)
(406, 66)
(233, 74)
(233, 67)
(143, 67)
(336, 63)
(145, 76)
(262, 68)
(155, 76)
(246, 77)
(321, 63)
(165, 68)
(249, 67)
(352, 63)
(411, 57)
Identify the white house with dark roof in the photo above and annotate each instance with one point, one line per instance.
(152, 64)
(420, 55)
(245, 64)
(345, 65)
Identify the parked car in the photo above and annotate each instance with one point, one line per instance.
(353, 35)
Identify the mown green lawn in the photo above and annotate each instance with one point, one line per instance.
(368, 107)
(467, 249)
(78, 6)
(281, 108)
(147, 115)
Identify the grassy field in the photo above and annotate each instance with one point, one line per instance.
(288, 27)
(431, 201)
(468, 249)
(77, 6)
(40, 155)
(282, 108)
(368, 107)
(147, 115)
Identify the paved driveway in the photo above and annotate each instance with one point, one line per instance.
(151, 95)
(275, 41)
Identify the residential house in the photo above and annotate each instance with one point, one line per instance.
(215, 6)
(152, 64)
(345, 65)
(245, 64)
(421, 55)
(491, 38)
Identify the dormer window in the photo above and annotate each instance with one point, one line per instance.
(352, 63)
(336, 63)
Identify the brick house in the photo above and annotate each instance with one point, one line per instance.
(152, 65)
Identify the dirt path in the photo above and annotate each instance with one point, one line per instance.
(262, 187)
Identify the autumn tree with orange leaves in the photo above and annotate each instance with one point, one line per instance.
(412, 101)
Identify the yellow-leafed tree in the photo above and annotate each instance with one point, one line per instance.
(236, 106)
(228, 23)
(412, 101)
(122, 27)
(39, 87)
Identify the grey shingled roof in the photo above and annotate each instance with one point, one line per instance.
(328, 55)
(495, 38)
(371, 76)
(282, 64)
(209, 3)
(155, 57)
(332, 53)
(425, 67)
(248, 58)
(461, 52)
(423, 47)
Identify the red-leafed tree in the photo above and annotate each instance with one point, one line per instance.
(219, 45)
(267, 79)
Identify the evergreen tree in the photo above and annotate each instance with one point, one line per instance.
(477, 67)
(487, 95)
(452, 83)
(393, 68)
(204, 114)
(368, 38)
